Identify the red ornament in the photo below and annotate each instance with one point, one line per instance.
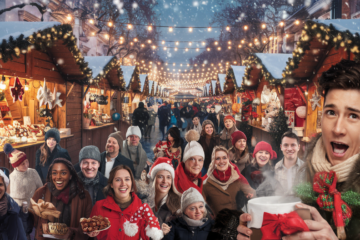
(17, 91)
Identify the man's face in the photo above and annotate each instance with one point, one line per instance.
(133, 140)
(290, 148)
(112, 146)
(340, 124)
(212, 110)
(196, 121)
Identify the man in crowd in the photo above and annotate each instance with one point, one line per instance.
(164, 118)
(151, 121)
(140, 118)
(286, 168)
(133, 150)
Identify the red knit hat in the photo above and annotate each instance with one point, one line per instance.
(229, 117)
(236, 136)
(16, 157)
(264, 146)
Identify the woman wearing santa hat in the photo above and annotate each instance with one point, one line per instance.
(225, 134)
(20, 189)
(224, 182)
(188, 173)
(260, 172)
(193, 224)
(239, 152)
(129, 217)
(163, 197)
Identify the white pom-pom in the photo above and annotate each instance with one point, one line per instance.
(131, 229)
(154, 233)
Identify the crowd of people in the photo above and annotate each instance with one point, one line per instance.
(197, 187)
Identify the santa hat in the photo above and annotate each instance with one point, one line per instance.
(264, 146)
(16, 157)
(236, 136)
(152, 229)
(133, 130)
(229, 117)
(193, 148)
(163, 163)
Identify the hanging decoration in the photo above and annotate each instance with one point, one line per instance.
(102, 100)
(44, 95)
(17, 91)
(57, 100)
(45, 112)
(315, 100)
(2, 96)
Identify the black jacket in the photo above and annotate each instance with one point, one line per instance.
(180, 230)
(215, 141)
(98, 193)
(186, 114)
(212, 117)
(177, 116)
(164, 115)
(58, 152)
(119, 160)
(140, 116)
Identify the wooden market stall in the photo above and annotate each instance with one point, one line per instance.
(101, 100)
(42, 71)
(323, 43)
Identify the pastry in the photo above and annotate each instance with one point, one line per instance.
(96, 223)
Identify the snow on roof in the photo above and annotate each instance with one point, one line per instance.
(15, 29)
(275, 63)
(127, 73)
(353, 25)
(213, 83)
(97, 64)
(150, 85)
(239, 72)
(222, 81)
(142, 81)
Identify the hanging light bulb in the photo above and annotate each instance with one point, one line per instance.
(171, 29)
(26, 86)
(176, 49)
(149, 41)
(208, 49)
(197, 49)
(110, 24)
(246, 27)
(209, 29)
(216, 42)
(2, 84)
(186, 49)
(91, 21)
(129, 26)
(162, 42)
(190, 43)
(149, 28)
(227, 28)
(165, 48)
(190, 29)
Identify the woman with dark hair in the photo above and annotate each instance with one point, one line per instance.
(171, 148)
(128, 216)
(225, 134)
(65, 191)
(239, 152)
(163, 197)
(11, 226)
(208, 140)
(49, 151)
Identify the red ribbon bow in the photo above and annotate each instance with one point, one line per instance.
(275, 226)
(330, 198)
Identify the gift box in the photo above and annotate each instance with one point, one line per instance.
(265, 211)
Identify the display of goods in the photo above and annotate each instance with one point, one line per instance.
(96, 223)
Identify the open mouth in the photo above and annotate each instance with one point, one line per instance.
(59, 183)
(339, 149)
(263, 159)
(123, 190)
(164, 186)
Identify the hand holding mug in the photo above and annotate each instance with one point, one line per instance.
(243, 231)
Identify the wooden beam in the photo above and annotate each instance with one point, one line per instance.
(299, 89)
(71, 88)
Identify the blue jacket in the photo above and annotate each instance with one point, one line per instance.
(11, 227)
(180, 230)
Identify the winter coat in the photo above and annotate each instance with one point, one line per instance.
(307, 172)
(164, 115)
(214, 141)
(98, 188)
(240, 162)
(108, 208)
(202, 116)
(186, 114)
(11, 226)
(152, 117)
(140, 116)
(80, 208)
(212, 117)
(225, 137)
(178, 118)
(58, 152)
(119, 160)
(180, 230)
(221, 123)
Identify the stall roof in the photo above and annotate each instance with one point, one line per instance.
(275, 63)
(352, 25)
(15, 29)
(181, 95)
(127, 73)
(213, 83)
(150, 86)
(239, 72)
(142, 81)
(98, 64)
(222, 81)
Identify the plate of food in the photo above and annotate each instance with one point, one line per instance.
(95, 223)
(51, 229)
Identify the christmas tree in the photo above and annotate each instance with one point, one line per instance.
(146, 87)
(152, 90)
(210, 89)
(229, 85)
(121, 80)
(135, 84)
(277, 128)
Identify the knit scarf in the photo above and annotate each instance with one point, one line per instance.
(241, 162)
(183, 181)
(3, 205)
(222, 176)
(321, 164)
(224, 180)
(89, 181)
(192, 177)
(63, 200)
(136, 154)
(226, 133)
(194, 223)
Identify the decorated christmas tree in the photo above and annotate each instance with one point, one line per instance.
(277, 128)
(121, 80)
(229, 84)
(146, 87)
(152, 94)
(135, 84)
(210, 89)
(218, 88)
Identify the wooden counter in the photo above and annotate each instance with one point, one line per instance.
(30, 150)
(101, 126)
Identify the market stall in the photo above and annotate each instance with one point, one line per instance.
(42, 71)
(323, 44)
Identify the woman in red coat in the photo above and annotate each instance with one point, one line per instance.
(129, 218)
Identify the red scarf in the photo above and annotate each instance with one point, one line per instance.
(64, 196)
(184, 180)
(222, 176)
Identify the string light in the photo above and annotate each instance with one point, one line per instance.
(216, 43)
(197, 49)
(281, 24)
(176, 43)
(209, 29)
(175, 49)
(203, 43)
(91, 21)
(227, 28)
(149, 28)
(219, 48)
(263, 26)
(129, 26)
(69, 17)
(165, 48)
(135, 39)
(163, 42)
(149, 41)
(229, 42)
(190, 29)
(208, 49)
(170, 29)
(153, 46)
(110, 24)
(245, 27)
(239, 46)
(297, 22)
(190, 43)
(186, 49)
